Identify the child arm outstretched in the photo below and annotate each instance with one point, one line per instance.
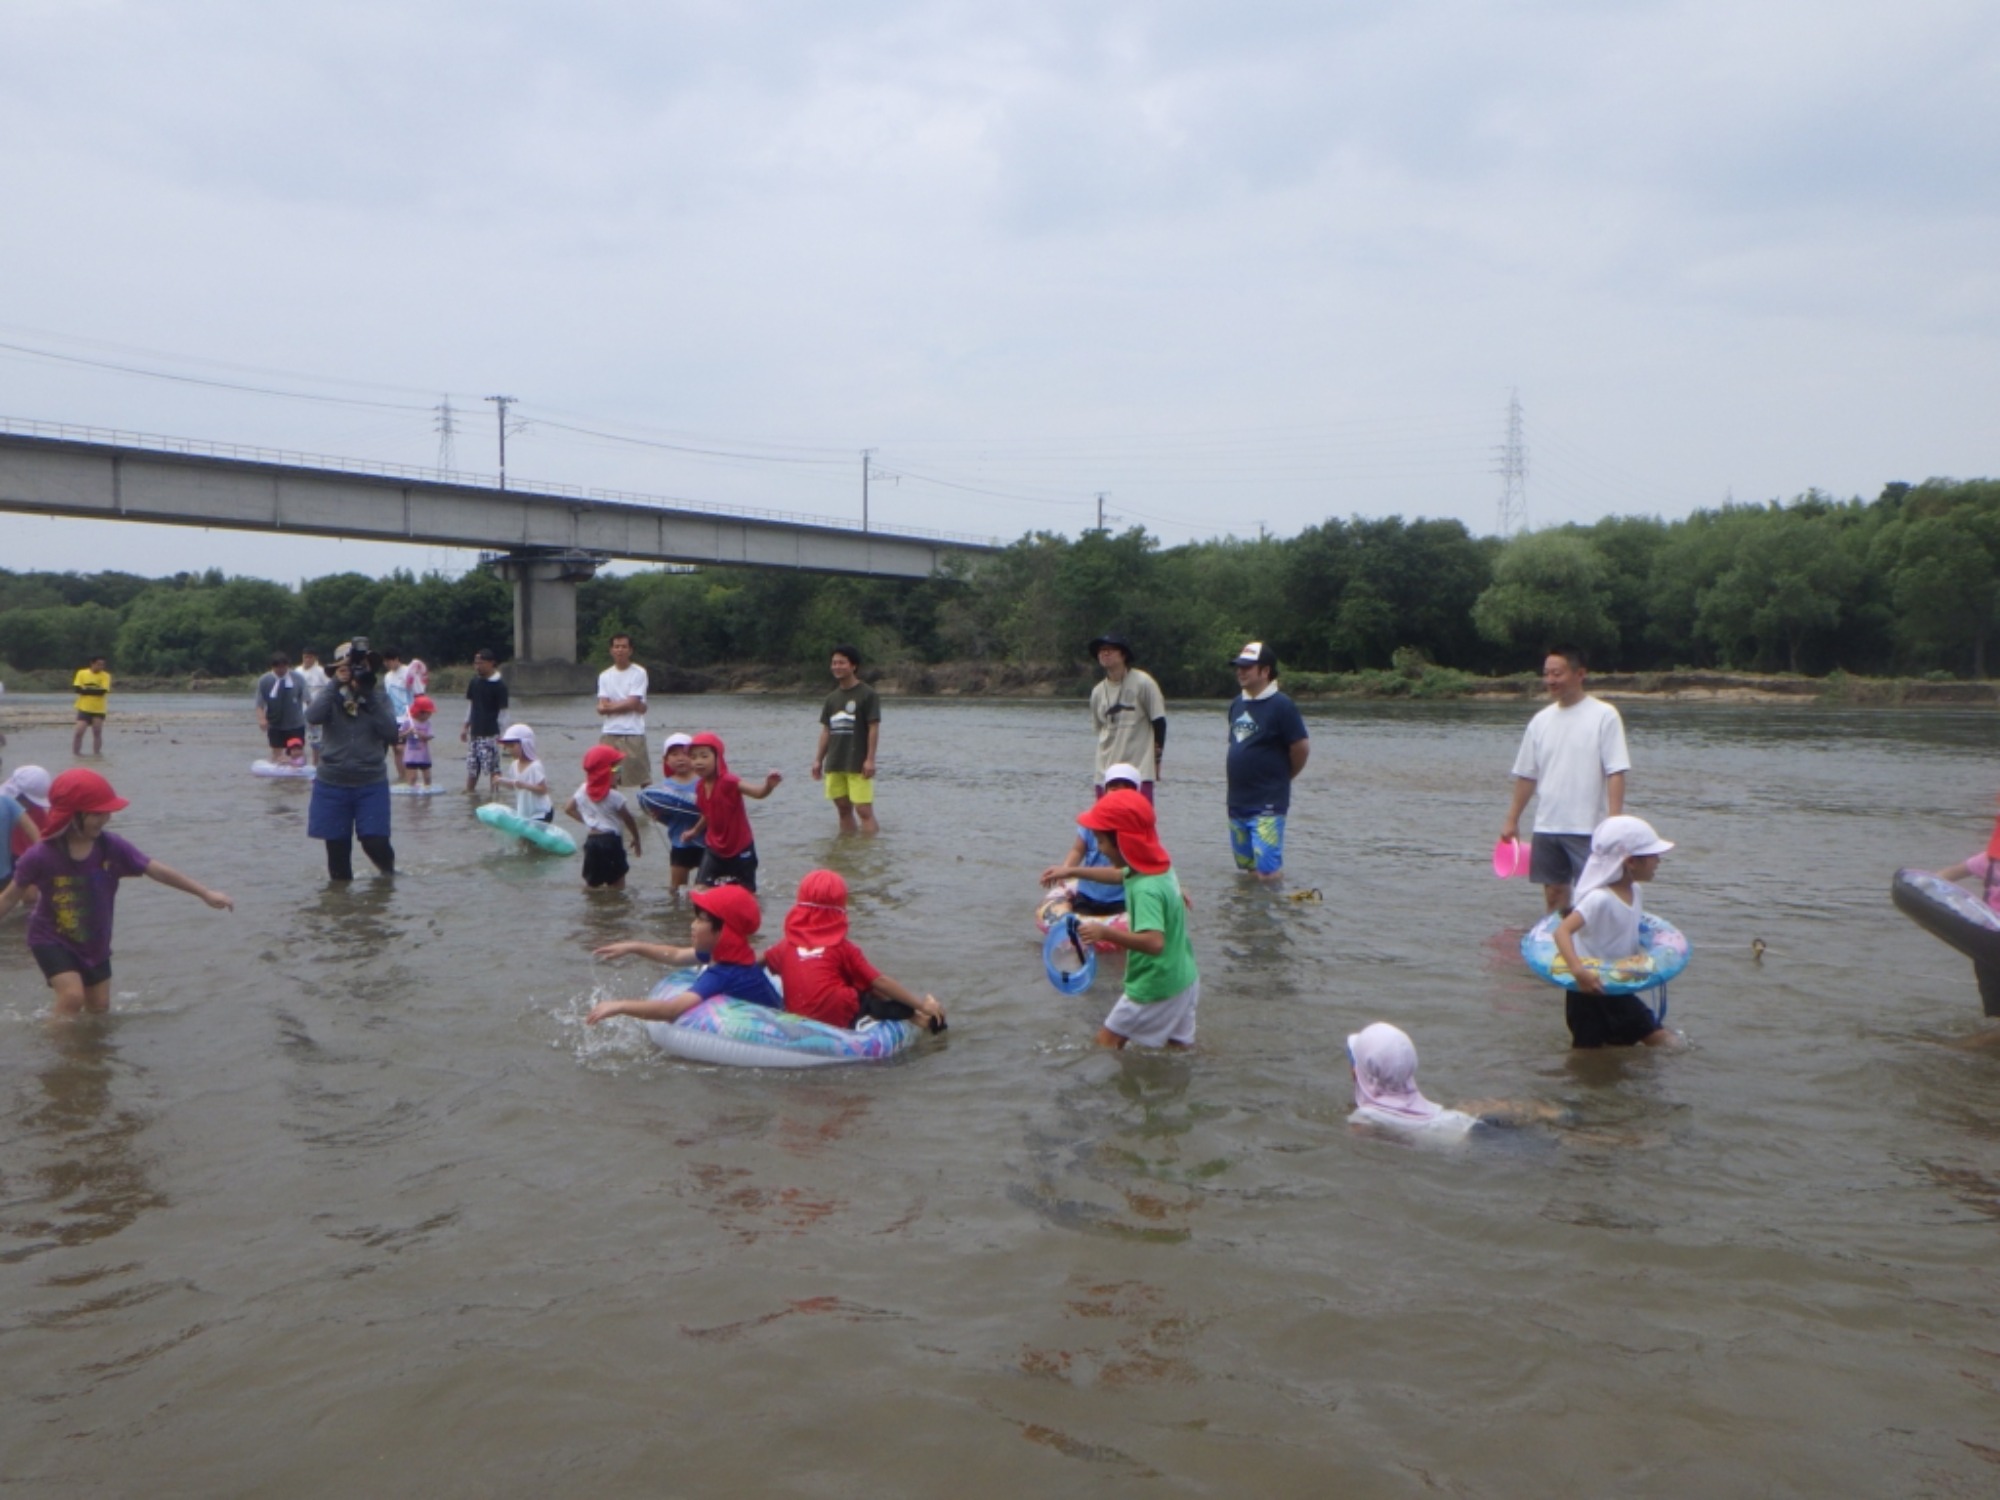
(167, 875)
(762, 789)
(659, 953)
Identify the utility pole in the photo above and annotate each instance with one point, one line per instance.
(447, 429)
(500, 404)
(866, 455)
(1513, 472)
(1102, 496)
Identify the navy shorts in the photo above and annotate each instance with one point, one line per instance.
(739, 869)
(604, 861)
(1607, 1020)
(1558, 858)
(685, 856)
(340, 812)
(56, 959)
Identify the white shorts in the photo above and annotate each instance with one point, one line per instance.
(1159, 1022)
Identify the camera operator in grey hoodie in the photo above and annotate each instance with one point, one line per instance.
(351, 793)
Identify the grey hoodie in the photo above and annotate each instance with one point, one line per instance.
(356, 744)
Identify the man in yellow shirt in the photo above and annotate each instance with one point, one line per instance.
(92, 683)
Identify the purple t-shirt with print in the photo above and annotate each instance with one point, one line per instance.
(1980, 868)
(76, 895)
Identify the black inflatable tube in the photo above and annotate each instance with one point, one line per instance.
(1949, 913)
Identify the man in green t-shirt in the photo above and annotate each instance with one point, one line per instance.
(1162, 985)
(850, 724)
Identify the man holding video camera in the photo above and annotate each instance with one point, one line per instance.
(351, 793)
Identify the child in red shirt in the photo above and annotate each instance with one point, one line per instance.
(724, 826)
(825, 977)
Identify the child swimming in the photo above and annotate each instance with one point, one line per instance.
(1604, 924)
(1383, 1062)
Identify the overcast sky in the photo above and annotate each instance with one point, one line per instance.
(1237, 265)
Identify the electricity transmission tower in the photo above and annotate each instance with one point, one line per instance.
(1513, 472)
(447, 429)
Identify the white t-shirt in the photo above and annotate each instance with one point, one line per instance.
(1567, 753)
(315, 677)
(1610, 928)
(1446, 1124)
(600, 817)
(615, 685)
(532, 799)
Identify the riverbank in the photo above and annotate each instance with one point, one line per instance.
(975, 679)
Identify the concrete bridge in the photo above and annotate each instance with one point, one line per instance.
(545, 541)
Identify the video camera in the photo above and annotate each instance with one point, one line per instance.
(362, 664)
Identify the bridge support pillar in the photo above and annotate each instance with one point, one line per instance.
(545, 580)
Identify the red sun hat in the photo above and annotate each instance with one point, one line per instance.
(77, 792)
(820, 918)
(1129, 816)
(600, 767)
(423, 704)
(737, 910)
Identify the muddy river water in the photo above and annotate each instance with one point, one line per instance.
(343, 1199)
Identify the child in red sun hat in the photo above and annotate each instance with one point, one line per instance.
(74, 872)
(1162, 984)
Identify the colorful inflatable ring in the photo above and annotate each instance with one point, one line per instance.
(282, 770)
(542, 835)
(1949, 913)
(1662, 954)
(1058, 948)
(737, 1034)
(1058, 904)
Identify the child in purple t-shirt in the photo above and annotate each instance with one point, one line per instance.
(1985, 869)
(74, 872)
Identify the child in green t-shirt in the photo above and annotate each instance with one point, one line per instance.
(1162, 985)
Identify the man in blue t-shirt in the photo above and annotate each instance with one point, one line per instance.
(1267, 749)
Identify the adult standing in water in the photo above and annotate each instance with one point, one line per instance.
(316, 678)
(350, 795)
(621, 710)
(1573, 755)
(92, 684)
(850, 727)
(1268, 746)
(1129, 714)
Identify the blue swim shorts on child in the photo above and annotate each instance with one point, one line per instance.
(1258, 842)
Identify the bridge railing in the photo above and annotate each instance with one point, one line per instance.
(244, 453)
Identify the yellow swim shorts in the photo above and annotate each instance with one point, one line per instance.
(860, 790)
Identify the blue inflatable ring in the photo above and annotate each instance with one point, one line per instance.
(1062, 939)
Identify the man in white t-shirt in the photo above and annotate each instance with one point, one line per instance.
(621, 705)
(316, 678)
(1573, 755)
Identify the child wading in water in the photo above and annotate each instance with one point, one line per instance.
(1162, 985)
(600, 807)
(1604, 925)
(670, 802)
(724, 921)
(1100, 888)
(75, 871)
(826, 977)
(725, 824)
(416, 738)
(526, 775)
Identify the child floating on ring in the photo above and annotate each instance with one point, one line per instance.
(826, 977)
(725, 919)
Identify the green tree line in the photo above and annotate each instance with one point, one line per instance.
(1907, 583)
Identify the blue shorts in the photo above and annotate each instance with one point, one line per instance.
(1258, 842)
(340, 812)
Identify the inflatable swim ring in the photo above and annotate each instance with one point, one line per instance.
(401, 790)
(1662, 954)
(1058, 904)
(541, 835)
(1948, 912)
(737, 1034)
(1061, 949)
(282, 770)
